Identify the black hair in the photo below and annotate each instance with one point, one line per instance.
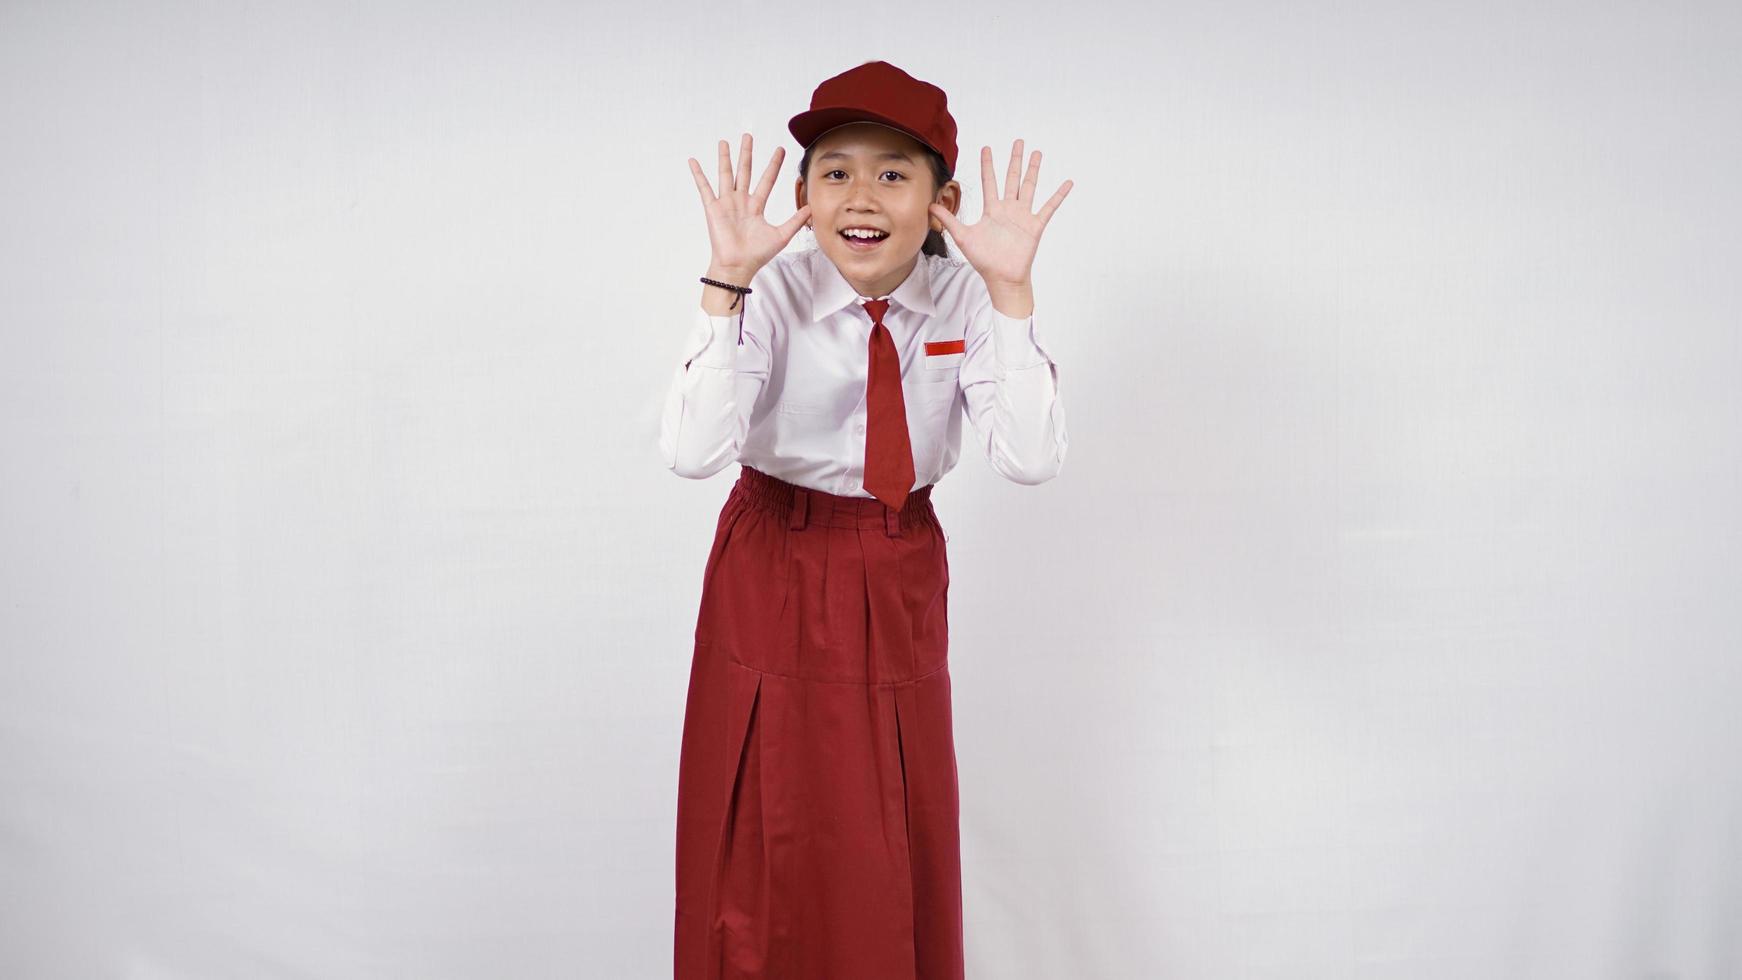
(940, 172)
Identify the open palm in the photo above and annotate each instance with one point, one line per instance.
(742, 239)
(1001, 245)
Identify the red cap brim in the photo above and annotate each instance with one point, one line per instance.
(807, 126)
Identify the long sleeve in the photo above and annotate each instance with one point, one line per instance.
(715, 387)
(1011, 386)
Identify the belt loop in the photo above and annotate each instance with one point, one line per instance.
(892, 521)
(800, 508)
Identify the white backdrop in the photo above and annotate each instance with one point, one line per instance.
(1381, 625)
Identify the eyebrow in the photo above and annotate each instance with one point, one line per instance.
(891, 155)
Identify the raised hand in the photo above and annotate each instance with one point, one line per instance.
(1001, 245)
(742, 240)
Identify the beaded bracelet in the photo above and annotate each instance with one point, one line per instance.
(742, 292)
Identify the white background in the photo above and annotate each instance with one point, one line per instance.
(1380, 626)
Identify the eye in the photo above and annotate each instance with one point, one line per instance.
(886, 172)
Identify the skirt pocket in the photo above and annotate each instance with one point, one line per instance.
(744, 592)
(926, 582)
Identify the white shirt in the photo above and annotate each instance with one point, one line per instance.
(789, 399)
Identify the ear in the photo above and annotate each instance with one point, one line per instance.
(798, 197)
(950, 196)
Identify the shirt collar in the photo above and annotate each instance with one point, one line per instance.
(830, 291)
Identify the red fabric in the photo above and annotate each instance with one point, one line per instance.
(817, 824)
(888, 452)
(879, 92)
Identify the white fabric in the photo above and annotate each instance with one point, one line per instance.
(788, 397)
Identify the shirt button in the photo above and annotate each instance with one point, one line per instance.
(859, 428)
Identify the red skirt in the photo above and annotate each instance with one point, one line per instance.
(817, 804)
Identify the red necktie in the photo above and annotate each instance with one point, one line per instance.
(888, 454)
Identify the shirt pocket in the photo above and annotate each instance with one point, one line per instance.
(936, 389)
(942, 367)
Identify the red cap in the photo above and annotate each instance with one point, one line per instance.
(879, 92)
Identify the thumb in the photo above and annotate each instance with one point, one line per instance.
(791, 226)
(950, 223)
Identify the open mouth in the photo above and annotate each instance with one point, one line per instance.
(864, 239)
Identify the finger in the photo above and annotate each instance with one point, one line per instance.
(1011, 179)
(794, 223)
(1026, 195)
(766, 185)
(743, 182)
(951, 225)
(1053, 202)
(701, 182)
(725, 169)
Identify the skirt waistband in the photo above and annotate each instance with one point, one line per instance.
(801, 506)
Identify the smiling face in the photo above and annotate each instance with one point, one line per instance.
(867, 176)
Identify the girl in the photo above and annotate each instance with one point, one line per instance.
(817, 795)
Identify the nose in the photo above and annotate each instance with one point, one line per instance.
(859, 199)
